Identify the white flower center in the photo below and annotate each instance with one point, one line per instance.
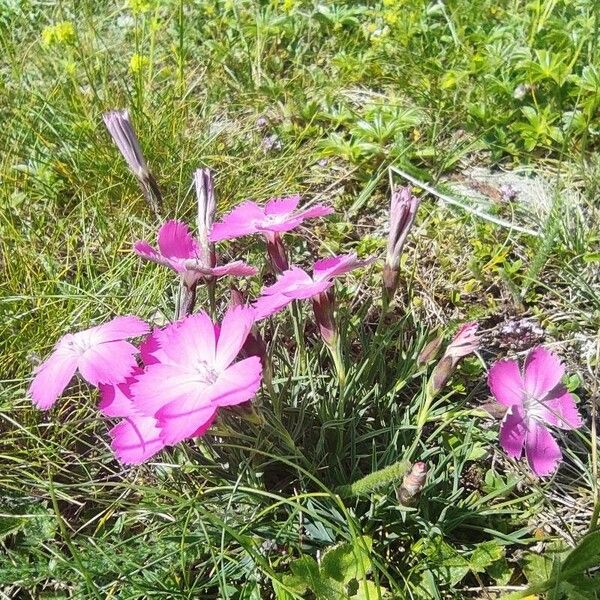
(206, 374)
(534, 407)
(271, 220)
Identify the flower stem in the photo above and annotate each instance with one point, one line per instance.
(299, 332)
(185, 300)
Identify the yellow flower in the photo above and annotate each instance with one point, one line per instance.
(59, 33)
(138, 63)
(288, 5)
(139, 7)
(390, 17)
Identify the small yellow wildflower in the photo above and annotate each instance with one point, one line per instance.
(138, 63)
(59, 33)
(139, 7)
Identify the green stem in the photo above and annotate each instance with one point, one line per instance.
(299, 332)
(67, 538)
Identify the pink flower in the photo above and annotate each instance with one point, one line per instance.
(192, 373)
(297, 284)
(272, 220)
(179, 251)
(277, 216)
(535, 399)
(137, 437)
(100, 354)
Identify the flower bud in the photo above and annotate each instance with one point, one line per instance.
(119, 126)
(430, 350)
(324, 306)
(403, 210)
(205, 195)
(464, 342)
(412, 484)
(277, 252)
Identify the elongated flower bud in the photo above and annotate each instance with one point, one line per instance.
(412, 484)
(465, 342)
(277, 252)
(403, 210)
(205, 195)
(430, 350)
(324, 306)
(119, 126)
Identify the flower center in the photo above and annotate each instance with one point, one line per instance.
(79, 344)
(272, 220)
(533, 406)
(206, 374)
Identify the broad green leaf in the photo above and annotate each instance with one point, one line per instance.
(484, 555)
(585, 556)
(500, 571)
(346, 562)
(367, 590)
(306, 569)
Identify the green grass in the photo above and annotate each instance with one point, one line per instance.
(348, 89)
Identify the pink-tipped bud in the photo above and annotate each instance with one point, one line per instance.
(205, 195)
(121, 130)
(324, 309)
(403, 210)
(412, 484)
(277, 253)
(464, 342)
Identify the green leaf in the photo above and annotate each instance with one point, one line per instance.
(500, 571)
(367, 590)
(306, 570)
(537, 568)
(346, 562)
(484, 555)
(585, 556)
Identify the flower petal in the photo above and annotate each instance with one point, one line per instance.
(265, 306)
(161, 384)
(116, 400)
(288, 280)
(318, 210)
(52, 377)
(236, 268)
(136, 439)
(239, 222)
(181, 420)
(561, 410)
(543, 453)
(513, 432)
(505, 382)
(309, 291)
(237, 384)
(190, 340)
(281, 206)
(145, 250)
(120, 328)
(205, 426)
(175, 241)
(334, 266)
(543, 372)
(235, 328)
(111, 362)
